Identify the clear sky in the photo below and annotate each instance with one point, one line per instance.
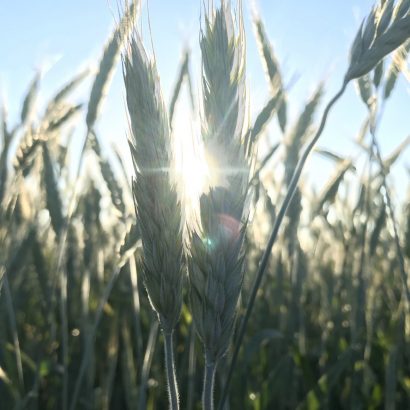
(311, 39)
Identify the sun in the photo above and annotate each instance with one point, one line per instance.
(192, 173)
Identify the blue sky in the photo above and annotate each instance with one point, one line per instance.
(311, 40)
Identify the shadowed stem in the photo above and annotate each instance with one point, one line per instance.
(62, 239)
(59, 269)
(64, 336)
(90, 338)
(13, 324)
(191, 370)
(149, 353)
(387, 198)
(278, 221)
(390, 208)
(170, 369)
(209, 379)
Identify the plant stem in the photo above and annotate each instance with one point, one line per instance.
(191, 370)
(13, 325)
(90, 337)
(390, 208)
(64, 336)
(146, 366)
(278, 221)
(170, 371)
(208, 391)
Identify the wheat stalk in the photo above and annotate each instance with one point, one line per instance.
(216, 256)
(157, 205)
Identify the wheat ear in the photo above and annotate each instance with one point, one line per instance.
(155, 197)
(386, 28)
(216, 251)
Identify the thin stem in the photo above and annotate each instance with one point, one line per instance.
(208, 391)
(64, 336)
(191, 370)
(390, 208)
(278, 221)
(146, 366)
(62, 239)
(136, 302)
(90, 338)
(13, 324)
(2, 276)
(170, 371)
(374, 125)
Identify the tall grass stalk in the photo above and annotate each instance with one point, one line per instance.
(216, 248)
(157, 205)
(13, 325)
(146, 366)
(170, 370)
(209, 382)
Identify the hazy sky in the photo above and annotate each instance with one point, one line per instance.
(311, 40)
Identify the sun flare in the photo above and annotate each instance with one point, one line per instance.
(191, 169)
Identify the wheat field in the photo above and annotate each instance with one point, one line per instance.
(209, 273)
